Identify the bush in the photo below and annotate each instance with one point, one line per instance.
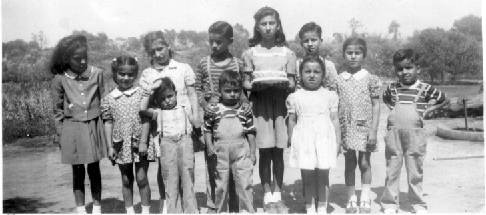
(26, 110)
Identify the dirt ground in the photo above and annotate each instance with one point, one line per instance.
(34, 180)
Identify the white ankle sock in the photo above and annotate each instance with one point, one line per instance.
(322, 207)
(365, 192)
(96, 209)
(277, 196)
(145, 209)
(81, 209)
(130, 210)
(310, 208)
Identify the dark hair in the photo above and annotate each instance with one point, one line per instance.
(310, 26)
(63, 52)
(355, 41)
(166, 84)
(230, 77)
(257, 37)
(152, 36)
(403, 54)
(222, 28)
(123, 60)
(315, 59)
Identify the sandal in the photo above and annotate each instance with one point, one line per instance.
(352, 207)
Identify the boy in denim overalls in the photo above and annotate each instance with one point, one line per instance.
(230, 136)
(409, 100)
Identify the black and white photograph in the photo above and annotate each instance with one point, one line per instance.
(242, 106)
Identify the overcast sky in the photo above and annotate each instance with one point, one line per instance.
(125, 18)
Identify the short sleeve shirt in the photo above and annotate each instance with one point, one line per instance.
(180, 73)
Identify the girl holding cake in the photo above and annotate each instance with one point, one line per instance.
(269, 73)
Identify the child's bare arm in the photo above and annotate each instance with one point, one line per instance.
(337, 130)
(108, 125)
(372, 135)
(144, 135)
(247, 81)
(252, 142)
(191, 92)
(292, 120)
(208, 138)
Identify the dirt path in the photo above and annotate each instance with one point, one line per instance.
(34, 180)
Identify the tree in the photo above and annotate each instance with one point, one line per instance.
(240, 40)
(393, 29)
(354, 24)
(447, 53)
(470, 25)
(40, 38)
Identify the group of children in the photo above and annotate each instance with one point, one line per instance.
(315, 112)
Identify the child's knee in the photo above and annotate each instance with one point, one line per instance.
(127, 180)
(142, 180)
(364, 165)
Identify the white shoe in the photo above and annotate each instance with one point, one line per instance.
(81, 210)
(322, 208)
(277, 196)
(96, 209)
(164, 209)
(390, 211)
(310, 209)
(267, 198)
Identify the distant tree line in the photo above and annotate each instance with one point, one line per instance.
(446, 54)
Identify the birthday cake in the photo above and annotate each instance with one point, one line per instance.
(269, 77)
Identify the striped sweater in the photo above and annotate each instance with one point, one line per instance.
(419, 93)
(203, 86)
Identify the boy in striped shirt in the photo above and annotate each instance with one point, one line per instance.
(409, 100)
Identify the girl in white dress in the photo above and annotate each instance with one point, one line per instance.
(314, 133)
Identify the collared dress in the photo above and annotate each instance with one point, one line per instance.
(313, 143)
(122, 108)
(355, 109)
(76, 105)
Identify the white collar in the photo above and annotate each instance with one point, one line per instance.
(116, 93)
(358, 75)
(86, 74)
(171, 65)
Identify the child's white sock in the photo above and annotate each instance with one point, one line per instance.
(96, 209)
(145, 209)
(164, 206)
(310, 208)
(130, 210)
(81, 210)
(322, 207)
(276, 196)
(351, 193)
(365, 192)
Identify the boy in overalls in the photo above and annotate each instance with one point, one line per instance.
(409, 100)
(230, 136)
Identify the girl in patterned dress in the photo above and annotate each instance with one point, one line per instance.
(76, 94)
(314, 133)
(268, 54)
(123, 128)
(359, 110)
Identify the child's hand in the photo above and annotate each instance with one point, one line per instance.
(371, 144)
(142, 149)
(253, 158)
(210, 149)
(111, 153)
(56, 140)
(155, 84)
